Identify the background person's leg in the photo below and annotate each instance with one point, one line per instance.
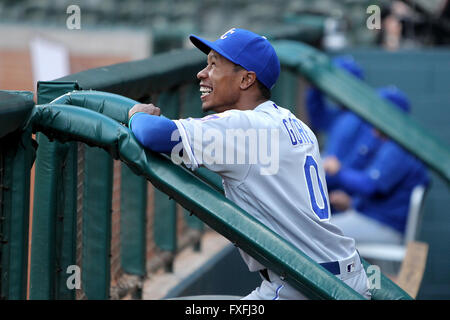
(365, 229)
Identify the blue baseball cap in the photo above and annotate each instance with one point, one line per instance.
(395, 96)
(349, 64)
(247, 49)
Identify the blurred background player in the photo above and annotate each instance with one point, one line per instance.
(322, 114)
(348, 137)
(375, 199)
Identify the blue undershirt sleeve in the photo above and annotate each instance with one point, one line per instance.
(154, 132)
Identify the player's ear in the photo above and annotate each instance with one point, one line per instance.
(248, 79)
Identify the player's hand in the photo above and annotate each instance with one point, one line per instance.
(340, 200)
(147, 108)
(331, 165)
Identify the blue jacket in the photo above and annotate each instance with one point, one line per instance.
(353, 142)
(321, 113)
(382, 190)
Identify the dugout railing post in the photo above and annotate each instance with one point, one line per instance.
(17, 154)
(54, 210)
(60, 206)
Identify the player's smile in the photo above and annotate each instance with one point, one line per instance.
(219, 84)
(205, 91)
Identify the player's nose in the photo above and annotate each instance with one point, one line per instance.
(202, 74)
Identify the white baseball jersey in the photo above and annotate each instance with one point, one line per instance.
(271, 167)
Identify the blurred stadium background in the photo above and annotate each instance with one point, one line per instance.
(410, 50)
(117, 31)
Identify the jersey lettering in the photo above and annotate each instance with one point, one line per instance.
(301, 131)
(296, 132)
(290, 132)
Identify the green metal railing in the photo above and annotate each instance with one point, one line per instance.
(194, 194)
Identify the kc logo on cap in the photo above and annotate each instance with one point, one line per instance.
(225, 35)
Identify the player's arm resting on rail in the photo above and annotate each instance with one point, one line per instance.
(153, 131)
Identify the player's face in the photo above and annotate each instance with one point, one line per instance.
(219, 84)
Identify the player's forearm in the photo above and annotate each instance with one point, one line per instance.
(153, 132)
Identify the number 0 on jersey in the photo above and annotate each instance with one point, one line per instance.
(322, 212)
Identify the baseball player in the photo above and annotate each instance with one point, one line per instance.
(269, 160)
